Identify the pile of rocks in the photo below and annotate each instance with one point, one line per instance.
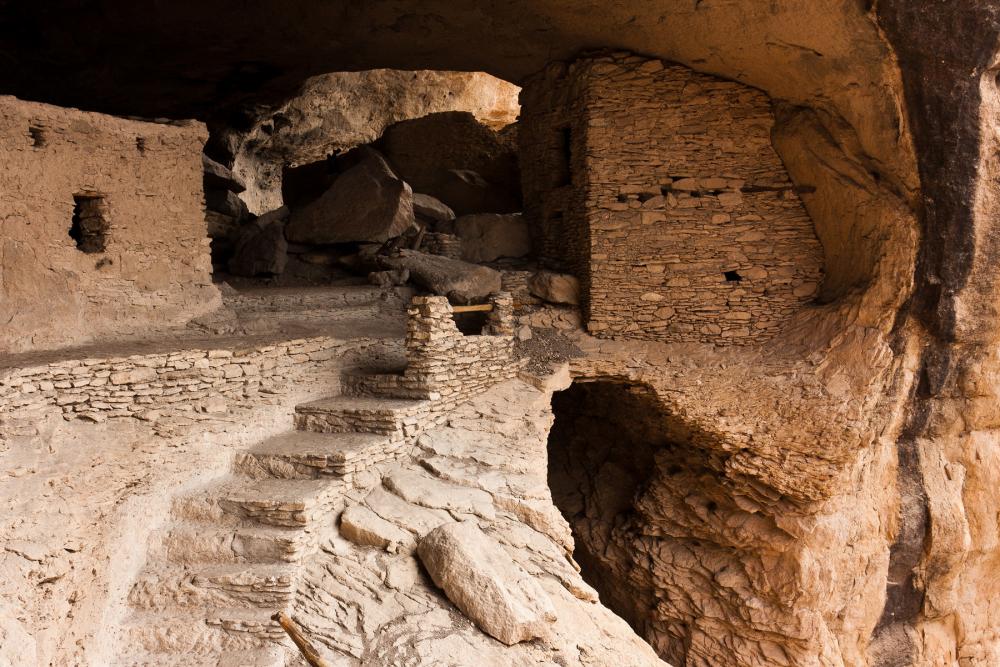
(358, 212)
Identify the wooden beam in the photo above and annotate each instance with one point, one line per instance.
(478, 308)
(305, 647)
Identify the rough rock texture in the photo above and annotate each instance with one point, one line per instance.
(456, 279)
(555, 287)
(100, 237)
(485, 583)
(428, 152)
(367, 203)
(488, 236)
(335, 112)
(363, 605)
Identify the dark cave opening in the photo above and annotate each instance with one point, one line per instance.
(602, 457)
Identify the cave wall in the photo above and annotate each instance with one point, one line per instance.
(337, 111)
(677, 213)
(151, 268)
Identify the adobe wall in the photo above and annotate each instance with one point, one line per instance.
(678, 216)
(154, 268)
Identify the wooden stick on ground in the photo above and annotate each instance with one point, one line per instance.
(305, 648)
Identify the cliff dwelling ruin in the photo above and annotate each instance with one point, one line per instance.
(565, 333)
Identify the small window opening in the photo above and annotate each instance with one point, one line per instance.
(89, 227)
(140, 144)
(564, 157)
(37, 136)
(732, 276)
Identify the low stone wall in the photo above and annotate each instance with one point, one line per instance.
(444, 365)
(195, 381)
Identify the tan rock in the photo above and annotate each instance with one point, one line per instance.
(479, 577)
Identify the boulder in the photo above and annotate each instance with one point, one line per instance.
(226, 202)
(367, 203)
(555, 287)
(261, 249)
(460, 281)
(439, 153)
(219, 176)
(482, 580)
(431, 209)
(489, 236)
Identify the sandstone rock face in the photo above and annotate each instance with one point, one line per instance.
(488, 236)
(555, 287)
(338, 111)
(458, 280)
(457, 159)
(367, 203)
(483, 581)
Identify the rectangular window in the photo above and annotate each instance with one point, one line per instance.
(89, 226)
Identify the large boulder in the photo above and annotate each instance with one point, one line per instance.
(458, 160)
(555, 287)
(489, 236)
(367, 203)
(261, 248)
(460, 281)
(485, 583)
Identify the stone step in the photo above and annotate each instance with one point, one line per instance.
(202, 633)
(393, 384)
(240, 501)
(309, 455)
(198, 543)
(265, 657)
(293, 503)
(395, 417)
(163, 585)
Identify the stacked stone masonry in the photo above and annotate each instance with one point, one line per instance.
(191, 380)
(660, 189)
(444, 366)
(67, 277)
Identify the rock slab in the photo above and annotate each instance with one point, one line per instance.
(367, 203)
(555, 287)
(460, 281)
(481, 579)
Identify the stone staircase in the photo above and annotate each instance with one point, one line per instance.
(230, 556)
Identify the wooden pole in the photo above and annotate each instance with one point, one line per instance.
(305, 648)
(478, 308)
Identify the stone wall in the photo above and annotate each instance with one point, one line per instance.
(149, 268)
(190, 381)
(445, 366)
(659, 188)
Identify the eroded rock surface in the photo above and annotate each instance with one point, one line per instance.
(481, 579)
(365, 602)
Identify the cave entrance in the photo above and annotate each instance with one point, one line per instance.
(602, 457)
(325, 189)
